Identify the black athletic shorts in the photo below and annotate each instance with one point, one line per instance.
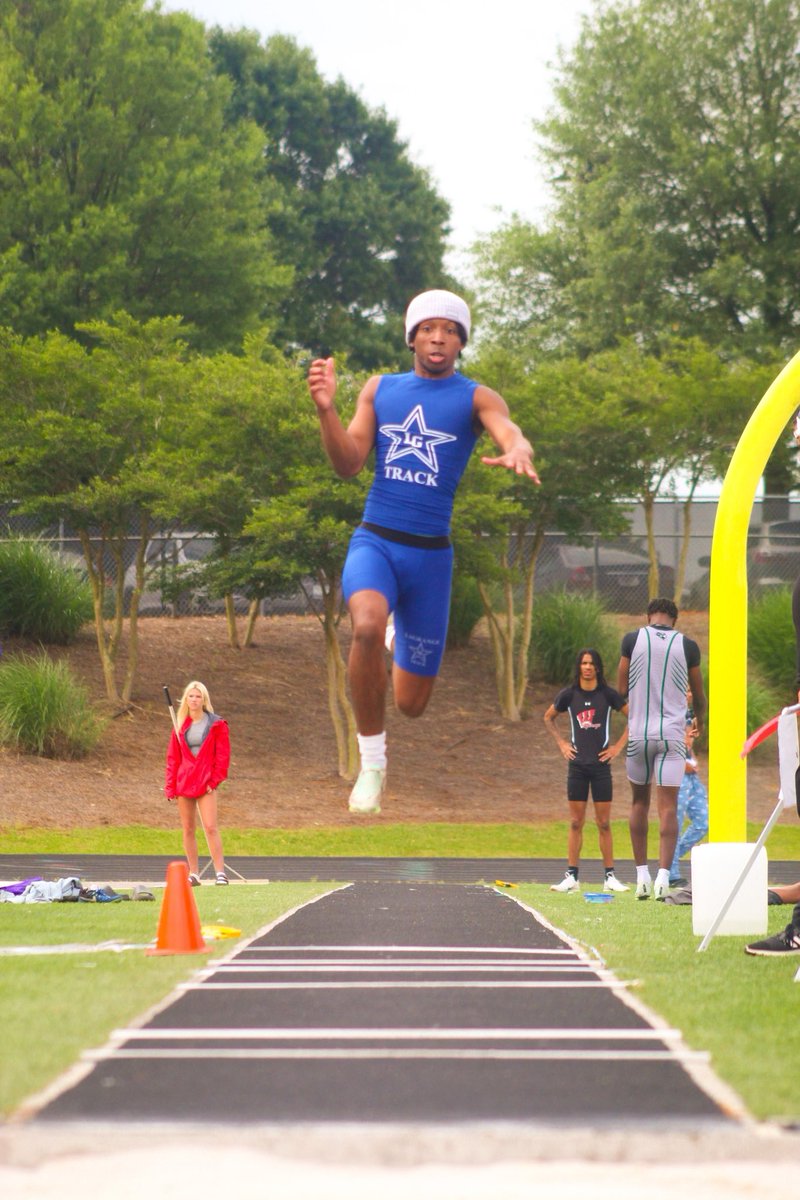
(581, 775)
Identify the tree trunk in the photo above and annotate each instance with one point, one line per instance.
(106, 646)
(648, 504)
(683, 554)
(527, 624)
(230, 620)
(501, 634)
(252, 614)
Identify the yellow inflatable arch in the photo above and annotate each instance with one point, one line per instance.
(727, 778)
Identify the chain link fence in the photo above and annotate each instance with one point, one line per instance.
(615, 569)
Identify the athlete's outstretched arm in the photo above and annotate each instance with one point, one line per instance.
(347, 449)
(517, 452)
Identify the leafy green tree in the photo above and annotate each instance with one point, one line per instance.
(581, 453)
(83, 441)
(362, 226)
(680, 411)
(674, 146)
(122, 185)
(243, 412)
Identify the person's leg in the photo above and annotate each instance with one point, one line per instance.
(207, 808)
(680, 816)
(577, 819)
(788, 892)
(411, 692)
(369, 584)
(638, 821)
(187, 811)
(366, 668)
(577, 798)
(667, 804)
(602, 816)
(696, 809)
(421, 618)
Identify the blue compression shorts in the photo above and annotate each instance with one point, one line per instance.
(416, 583)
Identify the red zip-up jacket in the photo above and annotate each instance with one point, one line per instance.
(190, 776)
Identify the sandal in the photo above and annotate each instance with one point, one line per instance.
(222, 878)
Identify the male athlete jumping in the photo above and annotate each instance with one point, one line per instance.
(423, 425)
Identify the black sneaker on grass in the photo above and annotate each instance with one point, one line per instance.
(786, 942)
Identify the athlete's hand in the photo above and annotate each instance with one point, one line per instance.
(519, 460)
(322, 383)
(609, 753)
(568, 750)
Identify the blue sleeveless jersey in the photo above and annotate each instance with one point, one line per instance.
(423, 441)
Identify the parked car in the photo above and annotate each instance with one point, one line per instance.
(773, 557)
(162, 557)
(618, 577)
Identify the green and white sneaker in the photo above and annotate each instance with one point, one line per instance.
(568, 884)
(365, 797)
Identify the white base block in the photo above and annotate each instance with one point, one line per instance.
(715, 870)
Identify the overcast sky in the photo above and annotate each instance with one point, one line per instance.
(463, 81)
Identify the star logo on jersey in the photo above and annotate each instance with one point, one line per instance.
(413, 438)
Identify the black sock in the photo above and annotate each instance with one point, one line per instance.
(609, 871)
(573, 871)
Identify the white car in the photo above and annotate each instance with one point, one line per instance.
(161, 557)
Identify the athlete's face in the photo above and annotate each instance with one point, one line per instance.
(194, 701)
(437, 344)
(588, 670)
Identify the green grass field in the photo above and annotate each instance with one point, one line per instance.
(382, 840)
(740, 1009)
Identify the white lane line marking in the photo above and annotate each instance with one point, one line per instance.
(393, 949)
(402, 983)
(435, 963)
(425, 1034)
(351, 1053)
(399, 968)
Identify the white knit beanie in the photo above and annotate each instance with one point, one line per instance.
(437, 303)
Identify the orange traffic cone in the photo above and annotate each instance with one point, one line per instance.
(178, 923)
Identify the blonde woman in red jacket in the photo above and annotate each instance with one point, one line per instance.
(197, 763)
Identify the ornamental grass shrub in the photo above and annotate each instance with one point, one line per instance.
(44, 709)
(771, 640)
(564, 623)
(42, 597)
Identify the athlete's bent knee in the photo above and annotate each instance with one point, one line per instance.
(412, 706)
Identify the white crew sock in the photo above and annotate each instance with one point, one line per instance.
(662, 878)
(373, 751)
(643, 874)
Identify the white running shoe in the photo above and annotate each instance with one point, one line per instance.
(389, 635)
(365, 797)
(568, 884)
(660, 890)
(612, 884)
(644, 890)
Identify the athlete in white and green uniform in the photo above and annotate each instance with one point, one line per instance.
(656, 665)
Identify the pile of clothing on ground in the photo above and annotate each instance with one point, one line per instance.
(40, 891)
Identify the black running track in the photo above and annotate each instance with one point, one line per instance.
(396, 1002)
(114, 868)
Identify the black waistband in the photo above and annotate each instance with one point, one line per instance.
(408, 539)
